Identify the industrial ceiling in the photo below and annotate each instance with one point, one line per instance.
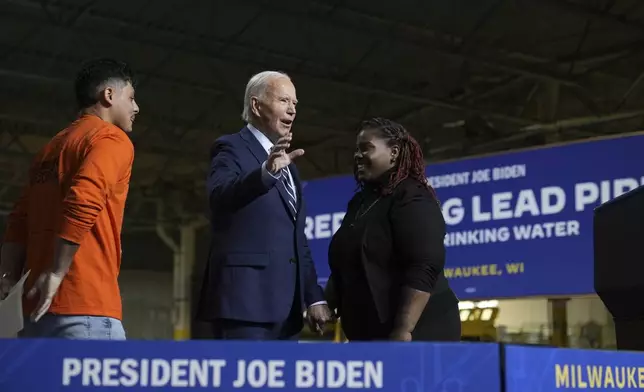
(466, 77)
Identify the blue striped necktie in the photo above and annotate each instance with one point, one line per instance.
(290, 190)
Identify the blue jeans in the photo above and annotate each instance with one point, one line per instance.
(74, 327)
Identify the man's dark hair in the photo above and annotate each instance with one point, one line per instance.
(410, 161)
(94, 74)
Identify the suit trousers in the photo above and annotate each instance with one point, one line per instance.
(289, 329)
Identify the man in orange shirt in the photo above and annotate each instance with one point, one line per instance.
(66, 226)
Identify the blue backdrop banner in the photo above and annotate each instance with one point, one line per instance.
(540, 369)
(519, 224)
(64, 365)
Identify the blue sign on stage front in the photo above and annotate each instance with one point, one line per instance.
(519, 223)
(64, 365)
(541, 369)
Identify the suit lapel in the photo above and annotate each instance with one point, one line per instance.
(261, 155)
(254, 145)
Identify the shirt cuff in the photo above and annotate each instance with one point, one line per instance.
(71, 232)
(317, 303)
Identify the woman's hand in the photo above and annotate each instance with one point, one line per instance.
(400, 336)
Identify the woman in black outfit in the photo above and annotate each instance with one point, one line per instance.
(388, 255)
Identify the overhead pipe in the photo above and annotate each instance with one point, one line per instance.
(535, 129)
(559, 125)
(582, 121)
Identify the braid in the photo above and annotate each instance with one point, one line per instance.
(411, 163)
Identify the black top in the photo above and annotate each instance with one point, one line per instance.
(386, 243)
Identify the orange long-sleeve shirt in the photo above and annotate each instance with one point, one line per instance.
(77, 188)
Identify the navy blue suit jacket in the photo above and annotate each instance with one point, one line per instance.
(258, 250)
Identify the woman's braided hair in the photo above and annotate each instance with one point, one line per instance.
(411, 163)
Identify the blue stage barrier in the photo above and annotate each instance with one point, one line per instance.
(540, 369)
(64, 365)
(68, 365)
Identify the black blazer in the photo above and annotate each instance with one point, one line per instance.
(399, 242)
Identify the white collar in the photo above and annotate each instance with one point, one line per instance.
(261, 138)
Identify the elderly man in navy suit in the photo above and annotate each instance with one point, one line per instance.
(260, 276)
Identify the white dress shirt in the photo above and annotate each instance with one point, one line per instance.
(268, 145)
